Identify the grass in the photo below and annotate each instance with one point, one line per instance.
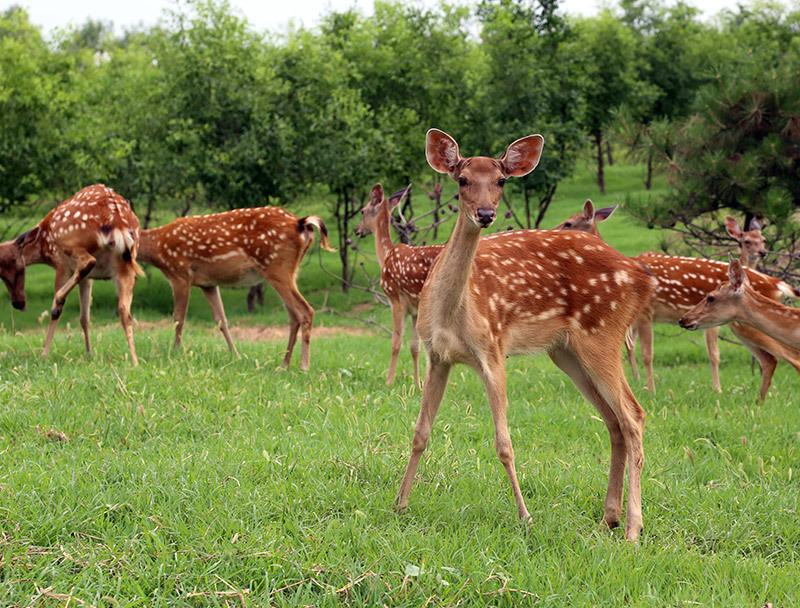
(197, 479)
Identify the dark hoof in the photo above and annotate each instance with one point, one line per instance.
(55, 313)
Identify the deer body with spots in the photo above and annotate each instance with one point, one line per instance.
(736, 300)
(404, 269)
(236, 248)
(568, 294)
(93, 235)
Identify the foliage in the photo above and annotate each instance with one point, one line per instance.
(739, 152)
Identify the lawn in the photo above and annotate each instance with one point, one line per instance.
(198, 479)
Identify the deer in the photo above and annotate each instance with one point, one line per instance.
(586, 221)
(751, 243)
(93, 235)
(404, 269)
(736, 300)
(236, 248)
(682, 282)
(567, 293)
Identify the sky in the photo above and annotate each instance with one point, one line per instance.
(264, 15)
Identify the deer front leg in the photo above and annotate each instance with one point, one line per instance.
(436, 375)
(180, 297)
(85, 291)
(645, 327)
(398, 329)
(215, 301)
(712, 336)
(494, 377)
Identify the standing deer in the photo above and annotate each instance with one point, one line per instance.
(234, 249)
(519, 292)
(93, 235)
(751, 243)
(587, 220)
(738, 301)
(404, 269)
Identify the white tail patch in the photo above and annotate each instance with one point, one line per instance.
(121, 240)
(787, 290)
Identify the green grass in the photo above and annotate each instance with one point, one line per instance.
(198, 479)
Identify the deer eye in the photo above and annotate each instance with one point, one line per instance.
(462, 181)
(567, 224)
(501, 182)
(710, 299)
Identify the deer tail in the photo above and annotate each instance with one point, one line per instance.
(305, 223)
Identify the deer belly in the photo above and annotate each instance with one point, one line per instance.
(227, 276)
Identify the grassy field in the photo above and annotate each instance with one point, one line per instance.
(197, 479)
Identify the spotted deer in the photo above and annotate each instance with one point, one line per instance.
(93, 235)
(234, 249)
(682, 282)
(404, 269)
(736, 300)
(586, 221)
(566, 293)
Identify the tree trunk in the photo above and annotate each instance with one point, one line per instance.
(649, 181)
(527, 208)
(601, 179)
(608, 153)
(344, 248)
(544, 204)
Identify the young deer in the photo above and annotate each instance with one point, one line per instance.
(233, 249)
(682, 282)
(738, 301)
(751, 243)
(404, 269)
(518, 292)
(587, 220)
(93, 235)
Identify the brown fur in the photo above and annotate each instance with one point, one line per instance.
(232, 249)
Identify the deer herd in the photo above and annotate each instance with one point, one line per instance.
(475, 300)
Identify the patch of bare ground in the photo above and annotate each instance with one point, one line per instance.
(260, 333)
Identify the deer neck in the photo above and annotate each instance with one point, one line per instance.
(448, 283)
(772, 318)
(383, 234)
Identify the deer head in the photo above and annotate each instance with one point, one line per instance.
(371, 213)
(586, 221)
(752, 242)
(481, 179)
(718, 307)
(12, 266)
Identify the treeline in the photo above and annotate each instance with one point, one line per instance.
(204, 111)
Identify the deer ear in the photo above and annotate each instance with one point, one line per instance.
(754, 225)
(376, 195)
(441, 151)
(523, 155)
(28, 237)
(736, 275)
(588, 211)
(732, 226)
(604, 213)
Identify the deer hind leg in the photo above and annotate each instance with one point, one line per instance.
(85, 291)
(569, 364)
(436, 375)
(494, 377)
(301, 316)
(398, 329)
(415, 349)
(180, 297)
(645, 327)
(712, 345)
(630, 352)
(215, 301)
(125, 278)
(607, 375)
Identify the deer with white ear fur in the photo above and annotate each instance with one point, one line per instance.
(566, 293)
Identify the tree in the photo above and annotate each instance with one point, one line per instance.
(739, 152)
(529, 84)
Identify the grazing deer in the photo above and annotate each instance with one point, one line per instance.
(738, 301)
(751, 243)
(93, 235)
(404, 269)
(519, 292)
(587, 220)
(682, 282)
(235, 249)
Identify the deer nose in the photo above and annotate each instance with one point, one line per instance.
(763, 253)
(19, 304)
(682, 322)
(485, 216)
